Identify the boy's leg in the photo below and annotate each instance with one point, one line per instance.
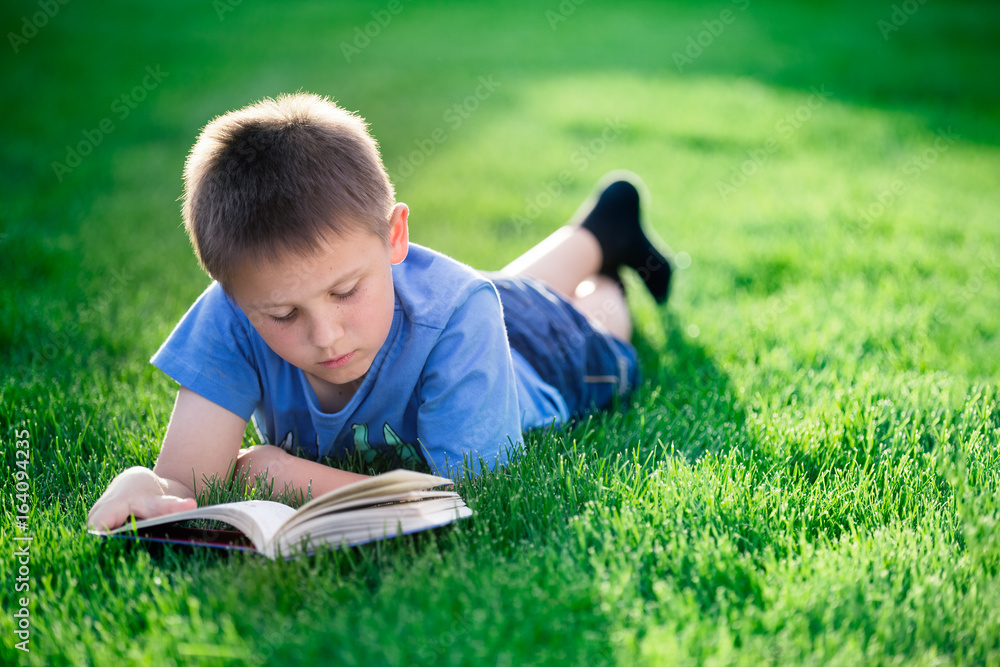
(568, 262)
(613, 217)
(562, 261)
(605, 234)
(602, 300)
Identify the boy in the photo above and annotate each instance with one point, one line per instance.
(317, 328)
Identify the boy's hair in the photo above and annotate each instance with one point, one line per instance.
(277, 177)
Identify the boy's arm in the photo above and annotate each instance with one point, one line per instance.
(202, 440)
(292, 473)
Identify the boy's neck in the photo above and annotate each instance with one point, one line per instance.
(333, 397)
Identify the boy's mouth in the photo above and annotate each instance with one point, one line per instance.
(337, 362)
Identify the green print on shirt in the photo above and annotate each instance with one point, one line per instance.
(407, 452)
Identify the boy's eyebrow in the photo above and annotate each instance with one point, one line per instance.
(336, 283)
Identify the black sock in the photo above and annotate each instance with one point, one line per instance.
(614, 220)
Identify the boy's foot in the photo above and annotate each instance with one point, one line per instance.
(614, 220)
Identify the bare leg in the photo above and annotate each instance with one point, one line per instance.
(568, 261)
(566, 258)
(602, 301)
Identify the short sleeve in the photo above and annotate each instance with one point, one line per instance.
(210, 353)
(468, 403)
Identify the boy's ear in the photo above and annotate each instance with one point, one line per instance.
(399, 234)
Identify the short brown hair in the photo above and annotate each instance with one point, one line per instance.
(277, 177)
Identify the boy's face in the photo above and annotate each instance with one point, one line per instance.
(328, 313)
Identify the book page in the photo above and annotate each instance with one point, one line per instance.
(259, 520)
(317, 511)
(392, 482)
(372, 523)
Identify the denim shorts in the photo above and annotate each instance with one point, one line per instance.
(587, 365)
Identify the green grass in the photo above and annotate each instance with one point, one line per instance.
(809, 474)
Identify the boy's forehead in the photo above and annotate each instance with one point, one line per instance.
(265, 281)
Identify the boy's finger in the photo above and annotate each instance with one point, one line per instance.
(160, 505)
(110, 517)
(102, 520)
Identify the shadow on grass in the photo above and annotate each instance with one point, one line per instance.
(688, 402)
(924, 60)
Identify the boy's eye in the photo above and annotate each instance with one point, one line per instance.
(348, 294)
(283, 318)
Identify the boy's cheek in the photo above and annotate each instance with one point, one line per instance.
(266, 330)
(256, 320)
(278, 340)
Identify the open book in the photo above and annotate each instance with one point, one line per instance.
(387, 505)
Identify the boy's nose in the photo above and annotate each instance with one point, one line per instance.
(325, 332)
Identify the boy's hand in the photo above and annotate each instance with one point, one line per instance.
(141, 493)
(289, 472)
(260, 458)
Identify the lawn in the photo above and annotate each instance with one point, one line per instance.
(809, 473)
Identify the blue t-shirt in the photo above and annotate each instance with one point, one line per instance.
(444, 387)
